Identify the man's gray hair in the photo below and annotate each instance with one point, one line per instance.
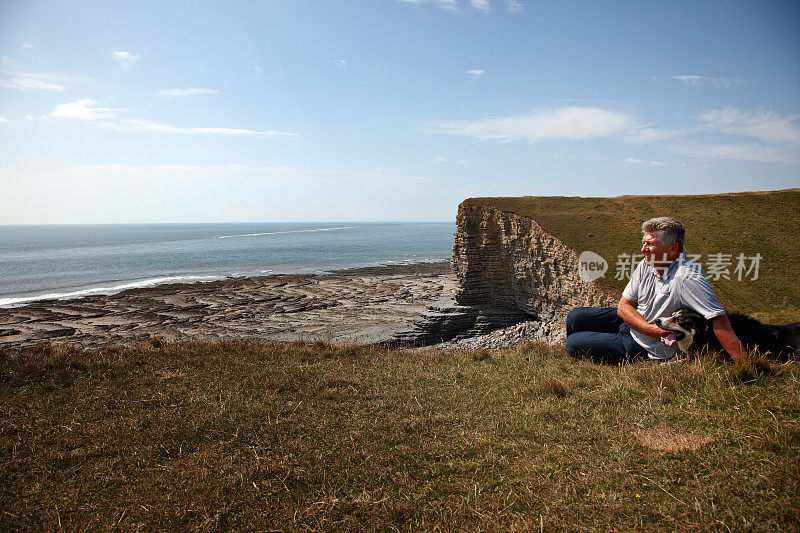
(667, 229)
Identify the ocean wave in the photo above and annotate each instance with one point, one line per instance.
(112, 289)
(284, 232)
(412, 261)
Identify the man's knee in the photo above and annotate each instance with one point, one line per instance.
(572, 316)
(574, 319)
(579, 344)
(600, 319)
(572, 345)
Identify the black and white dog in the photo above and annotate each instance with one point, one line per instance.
(691, 331)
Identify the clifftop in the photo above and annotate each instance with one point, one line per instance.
(747, 224)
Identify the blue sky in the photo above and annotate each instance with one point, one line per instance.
(386, 109)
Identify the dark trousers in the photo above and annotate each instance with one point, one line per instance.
(600, 334)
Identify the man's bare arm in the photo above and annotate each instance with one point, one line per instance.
(628, 313)
(727, 338)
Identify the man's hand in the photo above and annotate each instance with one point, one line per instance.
(727, 338)
(626, 309)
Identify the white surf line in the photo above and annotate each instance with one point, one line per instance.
(284, 232)
(150, 282)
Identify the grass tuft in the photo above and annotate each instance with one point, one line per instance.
(555, 387)
(752, 367)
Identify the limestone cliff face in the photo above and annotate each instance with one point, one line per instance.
(509, 261)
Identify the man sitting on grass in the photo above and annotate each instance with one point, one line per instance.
(664, 282)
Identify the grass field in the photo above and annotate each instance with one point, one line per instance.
(300, 436)
(731, 224)
(263, 437)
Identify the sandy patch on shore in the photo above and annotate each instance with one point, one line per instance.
(362, 306)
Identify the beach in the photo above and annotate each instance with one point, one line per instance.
(363, 306)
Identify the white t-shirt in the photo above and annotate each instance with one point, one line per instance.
(684, 284)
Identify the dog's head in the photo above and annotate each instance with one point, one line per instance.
(684, 325)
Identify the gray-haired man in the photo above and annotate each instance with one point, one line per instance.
(665, 281)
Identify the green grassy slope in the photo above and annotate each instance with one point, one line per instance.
(737, 223)
(313, 437)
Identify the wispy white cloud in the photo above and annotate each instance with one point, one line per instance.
(82, 110)
(28, 45)
(134, 125)
(642, 162)
(440, 160)
(340, 63)
(30, 84)
(125, 59)
(481, 5)
(179, 93)
(739, 152)
(649, 135)
(691, 80)
(449, 5)
(108, 118)
(764, 136)
(3, 119)
(21, 78)
(475, 72)
(484, 6)
(569, 123)
(766, 126)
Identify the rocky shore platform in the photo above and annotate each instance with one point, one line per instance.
(361, 306)
(409, 305)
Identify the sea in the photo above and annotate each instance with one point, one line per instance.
(70, 261)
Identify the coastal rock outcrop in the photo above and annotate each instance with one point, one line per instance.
(513, 276)
(507, 260)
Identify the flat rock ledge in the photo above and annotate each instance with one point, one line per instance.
(446, 323)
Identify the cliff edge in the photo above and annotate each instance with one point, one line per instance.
(507, 260)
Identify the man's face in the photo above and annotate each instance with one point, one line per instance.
(657, 254)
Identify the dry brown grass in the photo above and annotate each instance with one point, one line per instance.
(666, 439)
(238, 436)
